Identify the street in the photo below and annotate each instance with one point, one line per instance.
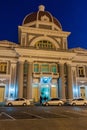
(45, 118)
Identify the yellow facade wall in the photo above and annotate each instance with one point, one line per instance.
(35, 94)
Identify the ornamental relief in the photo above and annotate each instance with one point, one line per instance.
(45, 18)
(30, 37)
(4, 81)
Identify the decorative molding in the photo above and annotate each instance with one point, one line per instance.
(45, 18)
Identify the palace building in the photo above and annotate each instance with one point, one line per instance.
(42, 64)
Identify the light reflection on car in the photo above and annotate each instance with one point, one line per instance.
(79, 101)
(53, 101)
(18, 101)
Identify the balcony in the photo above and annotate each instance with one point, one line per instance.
(48, 74)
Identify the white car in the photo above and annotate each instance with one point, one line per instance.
(18, 101)
(53, 101)
(79, 101)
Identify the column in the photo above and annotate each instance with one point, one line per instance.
(12, 86)
(74, 85)
(20, 79)
(29, 82)
(69, 82)
(61, 81)
(85, 71)
(14, 73)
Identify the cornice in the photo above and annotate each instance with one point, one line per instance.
(44, 31)
(6, 43)
(45, 54)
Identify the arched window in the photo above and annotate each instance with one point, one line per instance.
(45, 44)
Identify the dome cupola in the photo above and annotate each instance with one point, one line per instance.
(42, 19)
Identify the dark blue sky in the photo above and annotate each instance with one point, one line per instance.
(72, 15)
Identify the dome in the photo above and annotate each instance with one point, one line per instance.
(42, 16)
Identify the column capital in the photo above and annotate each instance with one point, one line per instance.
(13, 62)
(29, 61)
(69, 64)
(61, 63)
(21, 62)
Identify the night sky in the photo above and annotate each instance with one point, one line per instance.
(72, 15)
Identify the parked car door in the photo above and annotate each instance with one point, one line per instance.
(80, 101)
(21, 101)
(15, 102)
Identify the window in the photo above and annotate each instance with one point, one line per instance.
(81, 72)
(3, 68)
(54, 68)
(36, 68)
(44, 68)
(21, 99)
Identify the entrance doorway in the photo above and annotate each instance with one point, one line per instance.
(2, 91)
(82, 92)
(45, 88)
(45, 92)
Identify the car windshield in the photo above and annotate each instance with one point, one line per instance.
(79, 99)
(19, 99)
(16, 99)
(53, 99)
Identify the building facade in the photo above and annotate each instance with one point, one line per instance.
(42, 64)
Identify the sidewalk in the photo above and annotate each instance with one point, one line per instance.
(37, 104)
(2, 104)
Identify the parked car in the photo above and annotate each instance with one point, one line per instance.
(18, 101)
(79, 101)
(53, 101)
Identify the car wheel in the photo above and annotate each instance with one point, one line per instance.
(9, 104)
(59, 104)
(73, 104)
(47, 104)
(85, 104)
(24, 104)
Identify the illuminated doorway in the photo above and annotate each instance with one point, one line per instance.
(45, 88)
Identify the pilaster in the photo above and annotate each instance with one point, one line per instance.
(29, 82)
(69, 81)
(61, 81)
(13, 80)
(20, 79)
